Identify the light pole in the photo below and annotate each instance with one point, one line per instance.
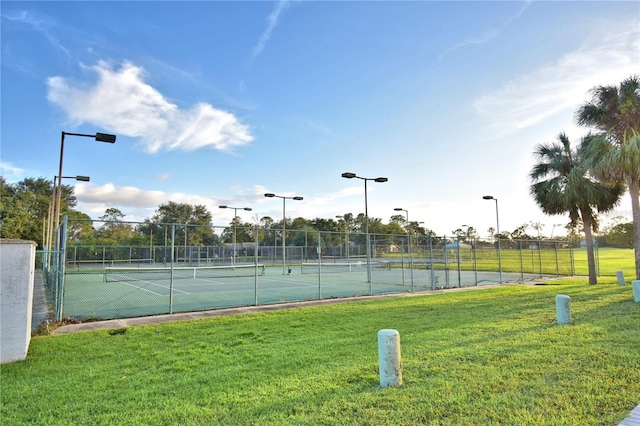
(99, 137)
(490, 197)
(52, 204)
(400, 209)
(346, 235)
(554, 228)
(466, 231)
(284, 220)
(349, 175)
(235, 215)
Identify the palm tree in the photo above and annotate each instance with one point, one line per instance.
(562, 185)
(613, 154)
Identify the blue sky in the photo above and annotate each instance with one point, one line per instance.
(219, 102)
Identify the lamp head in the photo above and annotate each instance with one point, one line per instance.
(223, 207)
(270, 195)
(247, 209)
(381, 179)
(297, 198)
(398, 209)
(83, 178)
(105, 137)
(488, 197)
(348, 175)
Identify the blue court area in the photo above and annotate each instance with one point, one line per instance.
(119, 293)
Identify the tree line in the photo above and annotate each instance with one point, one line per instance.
(25, 205)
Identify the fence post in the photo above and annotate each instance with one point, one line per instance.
(62, 264)
(401, 260)
(411, 262)
(173, 247)
(319, 252)
(255, 261)
(573, 261)
(446, 260)
(540, 256)
(475, 259)
(521, 262)
(432, 273)
(459, 266)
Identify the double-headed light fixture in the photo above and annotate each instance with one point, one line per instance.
(235, 225)
(52, 204)
(349, 175)
(346, 235)
(399, 209)
(284, 220)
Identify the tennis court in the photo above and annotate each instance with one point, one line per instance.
(108, 281)
(130, 292)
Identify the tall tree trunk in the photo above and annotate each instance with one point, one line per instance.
(634, 191)
(588, 236)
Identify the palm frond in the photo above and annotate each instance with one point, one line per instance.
(561, 182)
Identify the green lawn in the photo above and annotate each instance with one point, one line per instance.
(491, 356)
(610, 260)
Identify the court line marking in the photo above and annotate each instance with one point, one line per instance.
(152, 283)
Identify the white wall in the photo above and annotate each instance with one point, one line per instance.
(17, 264)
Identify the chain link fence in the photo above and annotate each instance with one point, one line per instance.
(151, 269)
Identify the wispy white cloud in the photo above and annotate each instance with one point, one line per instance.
(121, 101)
(561, 85)
(42, 26)
(518, 14)
(272, 21)
(318, 126)
(10, 172)
(488, 35)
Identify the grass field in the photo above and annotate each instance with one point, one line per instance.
(609, 260)
(490, 356)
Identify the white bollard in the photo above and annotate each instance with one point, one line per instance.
(389, 358)
(636, 290)
(563, 309)
(620, 276)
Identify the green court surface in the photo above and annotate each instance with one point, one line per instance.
(100, 295)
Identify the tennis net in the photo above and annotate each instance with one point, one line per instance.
(360, 266)
(115, 274)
